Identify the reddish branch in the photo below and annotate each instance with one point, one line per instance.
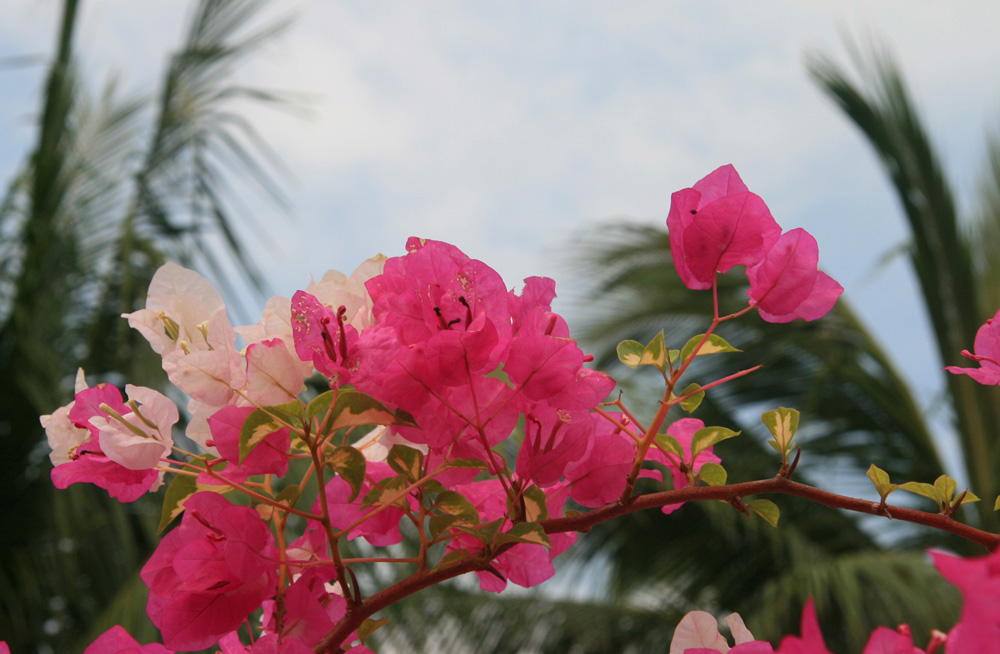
(585, 521)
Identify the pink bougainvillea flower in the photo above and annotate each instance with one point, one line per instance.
(683, 430)
(979, 580)
(323, 336)
(599, 477)
(786, 284)
(137, 440)
(270, 456)
(311, 611)
(888, 641)
(716, 225)
(811, 641)
(118, 641)
(987, 348)
(75, 433)
(208, 574)
(553, 439)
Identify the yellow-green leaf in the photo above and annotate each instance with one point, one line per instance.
(179, 489)
(671, 444)
(765, 509)
(535, 504)
(407, 461)
(782, 423)
(707, 437)
(630, 353)
(525, 532)
(350, 464)
(691, 403)
(713, 345)
(655, 353)
(713, 474)
(369, 626)
(880, 478)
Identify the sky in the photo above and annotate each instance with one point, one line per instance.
(510, 128)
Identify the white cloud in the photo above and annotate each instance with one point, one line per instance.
(504, 126)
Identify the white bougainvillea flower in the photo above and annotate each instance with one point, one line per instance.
(179, 302)
(64, 437)
(138, 440)
(336, 290)
(376, 444)
(699, 631)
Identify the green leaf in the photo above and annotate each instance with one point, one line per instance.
(453, 557)
(386, 489)
(713, 345)
(970, 497)
(535, 504)
(880, 478)
(691, 403)
(630, 353)
(319, 405)
(350, 464)
(996, 505)
(369, 626)
(655, 353)
(407, 461)
(713, 474)
(926, 490)
(765, 509)
(455, 508)
(484, 533)
(290, 495)
(265, 421)
(707, 437)
(475, 464)
(525, 532)
(353, 408)
(946, 487)
(502, 375)
(180, 488)
(671, 444)
(782, 423)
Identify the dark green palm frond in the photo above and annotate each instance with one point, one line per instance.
(942, 257)
(103, 199)
(451, 620)
(985, 235)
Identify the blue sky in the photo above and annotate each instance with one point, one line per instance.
(507, 128)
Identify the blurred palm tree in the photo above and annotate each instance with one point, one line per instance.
(856, 409)
(112, 188)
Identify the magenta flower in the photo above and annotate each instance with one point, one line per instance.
(978, 578)
(987, 348)
(716, 225)
(118, 641)
(787, 284)
(207, 575)
(75, 433)
(811, 641)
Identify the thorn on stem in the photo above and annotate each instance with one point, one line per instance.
(741, 506)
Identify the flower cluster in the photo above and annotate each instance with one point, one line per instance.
(978, 628)
(419, 393)
(718, 224)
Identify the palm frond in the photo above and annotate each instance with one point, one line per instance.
(941, 256)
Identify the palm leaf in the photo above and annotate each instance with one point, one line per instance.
(941, 255)
(110, 190)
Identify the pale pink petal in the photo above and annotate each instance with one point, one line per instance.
(698, 629)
